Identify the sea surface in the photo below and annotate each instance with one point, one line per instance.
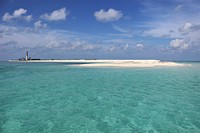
(59, 98)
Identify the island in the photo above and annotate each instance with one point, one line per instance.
(105, 63)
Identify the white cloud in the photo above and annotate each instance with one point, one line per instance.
(28, 17)
(126, 47)
(82, 45)
(117, 47)
(56, 15)
(179, 44)
(17, 14)
(113, 48)
(160, 29)
(70, 45)
(140, 46)
(52, 44)
(88, 47)
(185, 28)
(110, 15)
(7, 17)
(120, 29)
(39, 24)
(189, 27)
(45, 39)
(160, 25)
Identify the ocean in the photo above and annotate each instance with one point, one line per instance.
(59, 98)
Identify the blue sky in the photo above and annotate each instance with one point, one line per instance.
(101, 29)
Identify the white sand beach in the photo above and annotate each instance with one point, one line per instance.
(113, 63)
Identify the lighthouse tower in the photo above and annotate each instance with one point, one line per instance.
(26, 55)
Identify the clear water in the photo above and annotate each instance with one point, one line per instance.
(57, 98)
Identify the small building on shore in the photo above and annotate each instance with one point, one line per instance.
(26, 58)
(26, 55)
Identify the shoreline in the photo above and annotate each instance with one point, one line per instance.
(111, 63)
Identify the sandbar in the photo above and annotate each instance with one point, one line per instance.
(112, 63)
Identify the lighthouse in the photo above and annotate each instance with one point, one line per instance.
(26, 55)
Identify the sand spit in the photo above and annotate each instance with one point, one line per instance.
(113, 63)
(131, 63)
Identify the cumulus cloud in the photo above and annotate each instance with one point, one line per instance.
(88, 47)
(117, 47)
(46, 39)
(52, 44)
(80, 45)
(112, 48)
(70, 45)
(140, 46)
(39, 24)
(17, 14)
(56, 15)
(179, 44)
(189, 27)
(28, 17)
(110, 15)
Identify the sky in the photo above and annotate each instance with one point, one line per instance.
(100, 29)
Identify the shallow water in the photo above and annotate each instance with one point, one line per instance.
(58, 98)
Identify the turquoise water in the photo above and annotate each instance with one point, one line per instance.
(58, 98)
